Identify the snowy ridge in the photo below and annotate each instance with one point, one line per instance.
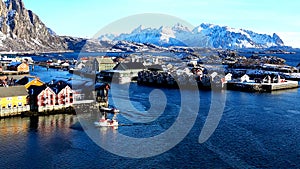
(204, 35)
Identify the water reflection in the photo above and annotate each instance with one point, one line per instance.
(12, 126)
(278, 92)
(33, 123)
(43, 124)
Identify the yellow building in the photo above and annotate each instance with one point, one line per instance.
(103, 63)
(13, 100)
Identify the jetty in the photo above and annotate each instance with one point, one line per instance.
(261, 87)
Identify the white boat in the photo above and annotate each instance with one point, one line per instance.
(106, 123)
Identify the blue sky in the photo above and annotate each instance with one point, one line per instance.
(84, 18)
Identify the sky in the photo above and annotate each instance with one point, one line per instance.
(85, 18)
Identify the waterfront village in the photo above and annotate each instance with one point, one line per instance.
(21, 93)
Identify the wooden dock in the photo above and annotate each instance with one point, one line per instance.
(13, 73)
(262, 87)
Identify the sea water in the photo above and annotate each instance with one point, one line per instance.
(256, 130)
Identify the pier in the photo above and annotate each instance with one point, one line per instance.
(261, 87)
(15, 111)
(13, 73)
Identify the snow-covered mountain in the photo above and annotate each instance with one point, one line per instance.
(22, 30)
(204, 35)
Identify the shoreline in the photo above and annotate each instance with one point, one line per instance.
(35, 52)
(68, 111)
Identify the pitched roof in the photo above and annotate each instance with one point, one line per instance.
(13, 91)
(24, 80)
(36, 90)
(104, 60)
(155, 67)
(14, 64)
(58, 87)
(129, 65)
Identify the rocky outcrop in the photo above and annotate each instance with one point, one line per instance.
(22, 30)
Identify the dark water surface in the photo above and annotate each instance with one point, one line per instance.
(257, 130)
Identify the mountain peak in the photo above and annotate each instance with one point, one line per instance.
(204, 35)
(180, 27)
(139, 29)
(22, 30)
(277, 39)
(206, 25)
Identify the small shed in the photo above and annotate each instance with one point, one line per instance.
(245, 78)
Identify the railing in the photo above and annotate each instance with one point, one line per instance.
(13, 111)
(53, 107)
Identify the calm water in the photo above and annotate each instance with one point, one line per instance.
(255, 131)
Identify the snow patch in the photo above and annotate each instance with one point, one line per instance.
(204, 35)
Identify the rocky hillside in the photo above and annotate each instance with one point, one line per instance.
(22, 30)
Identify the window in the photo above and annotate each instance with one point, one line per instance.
(20, 97)
(9, 98)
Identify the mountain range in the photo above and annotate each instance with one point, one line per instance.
(204, 35)
(21, 30)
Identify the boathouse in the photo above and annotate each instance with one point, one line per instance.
(13, 101)
(64, 95)
(228, 77)
(46, 99)
(123, 72)
(19, 67)
(245, 78)
(103, 63)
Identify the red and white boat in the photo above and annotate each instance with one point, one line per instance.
(105, 122)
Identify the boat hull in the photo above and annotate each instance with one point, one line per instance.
(106, 123)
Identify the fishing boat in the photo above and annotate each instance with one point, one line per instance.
(106, 122)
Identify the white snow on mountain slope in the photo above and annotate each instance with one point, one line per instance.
(204, 35)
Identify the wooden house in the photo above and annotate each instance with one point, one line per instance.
(103, 63)
(245, 78)
(46, 98)
(123, 72)
(57, 95)
(228, 77)
(34, 101)
(13, 100)
(64, 95)
(267, 79)
(41, 98)
(130, 66)
(19, 67)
